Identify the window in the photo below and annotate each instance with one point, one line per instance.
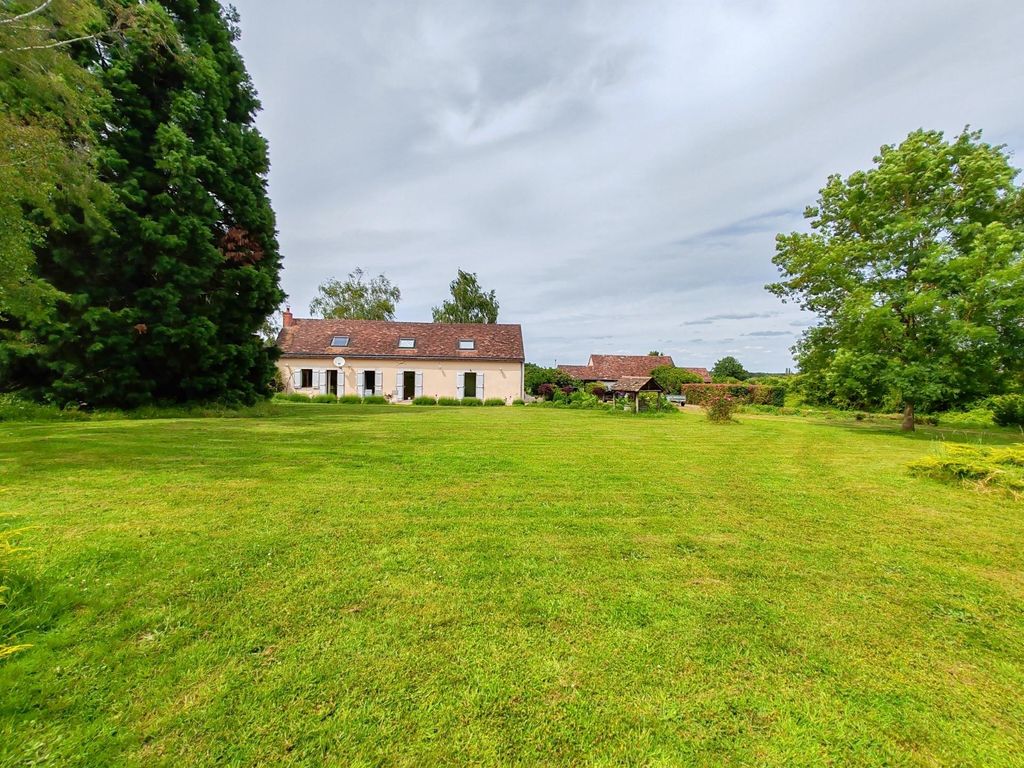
(339, 341)
(407, 343)
(467, 344)
(307, 378)
(469, 385)
(369, 382)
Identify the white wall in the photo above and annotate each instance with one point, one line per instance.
(439, 378)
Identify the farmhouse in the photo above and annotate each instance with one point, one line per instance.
(401, 360)
(609, 369)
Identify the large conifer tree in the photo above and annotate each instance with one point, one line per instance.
(166, 294)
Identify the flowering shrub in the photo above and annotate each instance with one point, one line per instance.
(720, 407)
(545, 391)
(596, 388)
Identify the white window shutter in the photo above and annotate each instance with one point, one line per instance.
(297, 379)
(419, 383)
(480, 386)
(400, 385)
(460, 384)
(378, 382)
(341, 382)
(321, 383)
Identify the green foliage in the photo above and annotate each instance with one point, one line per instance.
(518, 401)
(449, 401)
(494, 401)
(655, 402)
(324, 399)
(292, 397)
(350, 400)
(979, 467)
(469, 303)
(534, 376)
(424, 400)
(672, 379)
(375, 400)
(755, 394)
(356, 298)
(1008, 410)
(916, 272)
(720, 407)
(164, 294)
(729, 368)
(471, 401)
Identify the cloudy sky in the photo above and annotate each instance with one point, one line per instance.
(616, 171)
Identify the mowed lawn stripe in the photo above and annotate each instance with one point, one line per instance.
(419, 585)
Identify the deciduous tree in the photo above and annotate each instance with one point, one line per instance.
(915, 270)
(357, 298)
(469, 303)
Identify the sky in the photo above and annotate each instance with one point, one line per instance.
(616, 172)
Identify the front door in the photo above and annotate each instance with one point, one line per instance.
(369, 382)
(332, 382)
(408, 385)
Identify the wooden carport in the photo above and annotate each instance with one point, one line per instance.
(632, 386)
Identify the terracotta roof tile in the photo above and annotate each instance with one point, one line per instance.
(379, 338)
(635, 384)
(612, 367)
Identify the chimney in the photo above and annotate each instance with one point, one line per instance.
(286, 317)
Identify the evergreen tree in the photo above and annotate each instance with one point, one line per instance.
(165, 296)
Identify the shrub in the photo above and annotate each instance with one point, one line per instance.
(296, 397)
(448, 401)
(424, 400)
(672, 379)
(596, 388)
(535, 377)
(323, 399)
(720, 407)
(976, 466)
(545, 391)
(350, 399)
(494, 401)
(581, 399)
(754, 394)
(518, 401)
(471, 401)
(654, 402)
(1008, 410)
(375, 400)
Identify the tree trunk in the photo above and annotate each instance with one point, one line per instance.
(908, 417)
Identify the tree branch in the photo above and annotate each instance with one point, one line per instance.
(57, 44)
(38, 9)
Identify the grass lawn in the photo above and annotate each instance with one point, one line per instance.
(411, 586)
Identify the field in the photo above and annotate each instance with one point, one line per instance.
(411, 586)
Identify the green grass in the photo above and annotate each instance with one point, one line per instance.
(414, 586)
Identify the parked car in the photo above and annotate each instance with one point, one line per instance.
(679, 400)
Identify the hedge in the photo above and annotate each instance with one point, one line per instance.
(755, 394)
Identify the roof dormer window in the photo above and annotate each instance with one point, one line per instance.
(339, 341)
(467, 343)
(407, 343)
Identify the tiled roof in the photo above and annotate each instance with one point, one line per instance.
(379, 338)
(635, 384)
(704, 373)
(612, 367)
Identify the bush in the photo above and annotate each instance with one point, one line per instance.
(720, 407)
(535, 377)
(596, 388)
(448, 401)
(518, 401)
(654, 402)
(375, 400)
(323, 399)
(424, 400)
(545, 391)
(350, 400)
(295, 397)
(1008, 410)
(754, 394)
(494, 401)
(471, 401)
(672, 379)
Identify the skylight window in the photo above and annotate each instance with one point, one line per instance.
(467, 344)
(339, 341)
(407, 343)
